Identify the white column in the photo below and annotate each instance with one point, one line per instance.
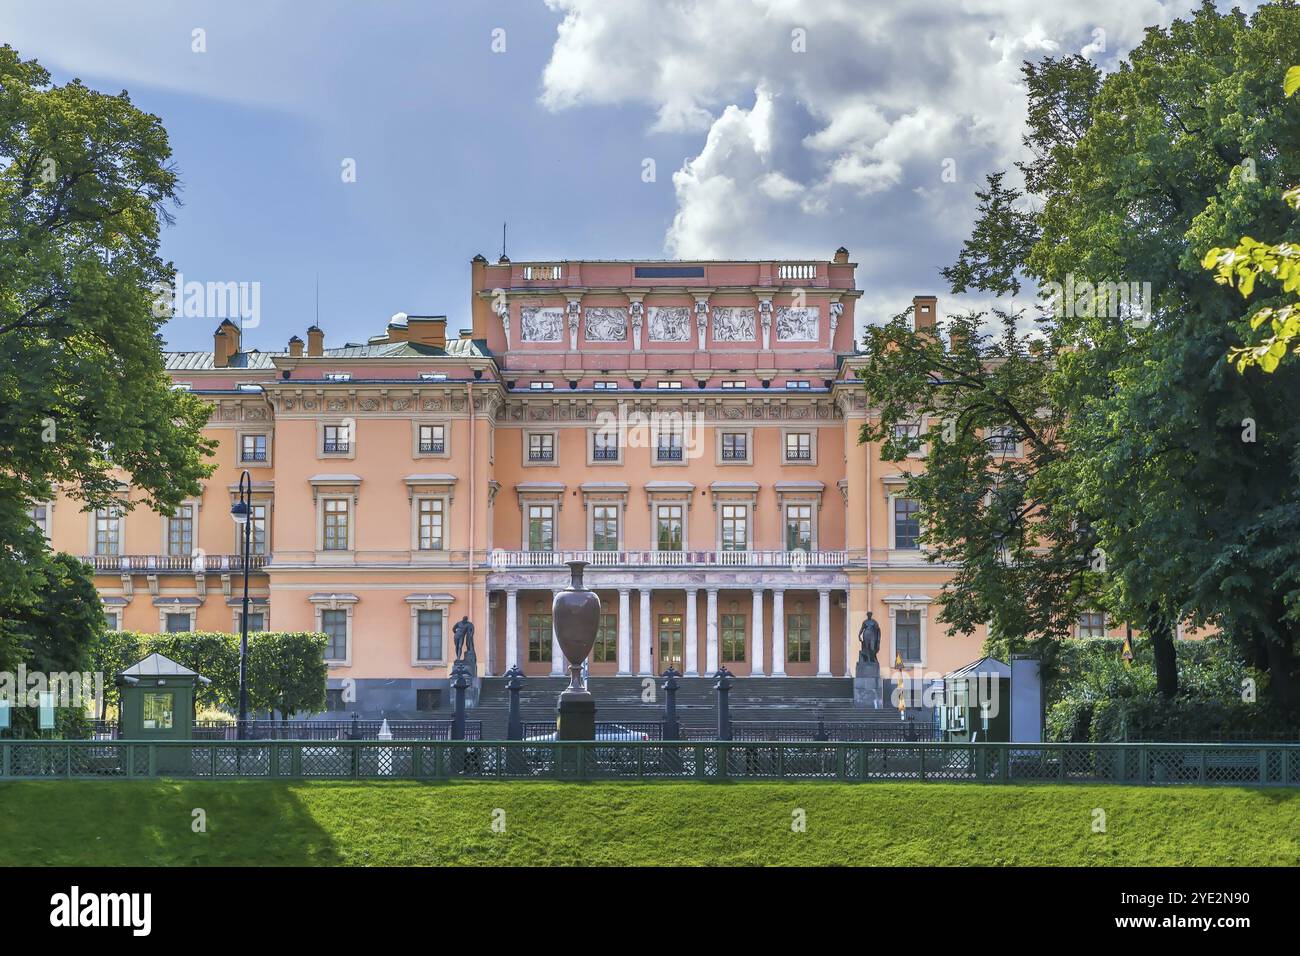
(823, 632)
(646, 666)
(778, 632)
(756, 625)
(624, 631)
(512, 628)
(557, 656)
(850, 655)
(711, 631)
(488, 649)
(692, 649)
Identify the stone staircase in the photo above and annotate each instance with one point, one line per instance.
(619, 699)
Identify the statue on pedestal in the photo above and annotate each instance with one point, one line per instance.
(869, 636)
(463, 635)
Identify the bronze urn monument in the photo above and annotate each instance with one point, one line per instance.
(576, 613)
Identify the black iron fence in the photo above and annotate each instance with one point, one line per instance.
(605, 730)
(332, 730)
(1271, 765)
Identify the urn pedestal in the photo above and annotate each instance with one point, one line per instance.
(576, 613)
(868, 688)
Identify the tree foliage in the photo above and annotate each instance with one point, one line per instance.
(85, 404)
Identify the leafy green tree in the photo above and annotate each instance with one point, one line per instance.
(84, 401)
(1280, 262)
(1187, 467)
(996, 249)
(286, 672)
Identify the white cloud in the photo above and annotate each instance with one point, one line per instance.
(845, 143)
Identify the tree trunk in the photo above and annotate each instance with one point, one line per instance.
(1161, 631)
(1281, 674)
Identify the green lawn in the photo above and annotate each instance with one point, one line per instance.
(405, 823)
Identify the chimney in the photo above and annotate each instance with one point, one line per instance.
(428, 330)
(466, 333)
(225, 343)
(315, 341)
(398, 333)
(841, 256)
(295, 347)
(925, 309)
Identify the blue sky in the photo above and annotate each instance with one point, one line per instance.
(776, 128)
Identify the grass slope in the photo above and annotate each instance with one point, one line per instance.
(405, 823)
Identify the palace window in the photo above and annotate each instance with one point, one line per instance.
(604, 446)
(733, 383)
(111, 621)
(338, 376)
(334, 699)
(606, 648)
(427, 698)
(178, 623)
(541, 527)
(1092, 624)
(108, 532)
(907, 635)
(733, 638)
(180, 532)
(735, 527)
(431, 524)
(432, 440)
(541, 447)
(798, 637)
(1002, 440)
(604, 527)
(541, 386)
(257, 537)
(669, 446)
(668, 527)
(669, 384)
(539, 637)
(256, 621)
(605, 385)
(337, 439)
(797, 383)
(428, 634)
(907, 523)
(253, 448)
(798, 527)
(334, 625)
(735, 446)
(336, 524)
(798, 446)
(40, 515)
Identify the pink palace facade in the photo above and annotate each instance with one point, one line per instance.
(689, 428)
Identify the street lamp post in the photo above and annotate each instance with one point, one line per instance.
(242, 511)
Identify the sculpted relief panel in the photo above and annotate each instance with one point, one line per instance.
(796, 324)
(670, 323)
(538, 324)
(733, 324)
(606, 324)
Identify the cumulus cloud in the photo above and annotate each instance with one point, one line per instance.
(831, 122)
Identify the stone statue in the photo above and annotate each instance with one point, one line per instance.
(869, 635)
(463, 634)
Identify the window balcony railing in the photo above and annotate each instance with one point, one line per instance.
(254, 456)
(657, 559)
(734, 454)
(150, 563)
(541, 454)
(337, 447)
(669, 453)
(604, 454)
(798, 454)
(431, 448)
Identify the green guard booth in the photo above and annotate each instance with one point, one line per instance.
(157, 704)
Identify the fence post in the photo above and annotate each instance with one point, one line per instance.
(1060, 761)
(417, 760)
(1004, 762)
(699, 760)
(1142, 764)
(582, 761)
(980, 762)
(153, 759)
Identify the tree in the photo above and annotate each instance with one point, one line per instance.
(997, 246)
(85, 404)
(1280, 262)
(286, 672)
(1187, 466)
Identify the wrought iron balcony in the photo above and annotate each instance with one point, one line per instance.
(794, 560)
(151, 563)
(431, 447)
